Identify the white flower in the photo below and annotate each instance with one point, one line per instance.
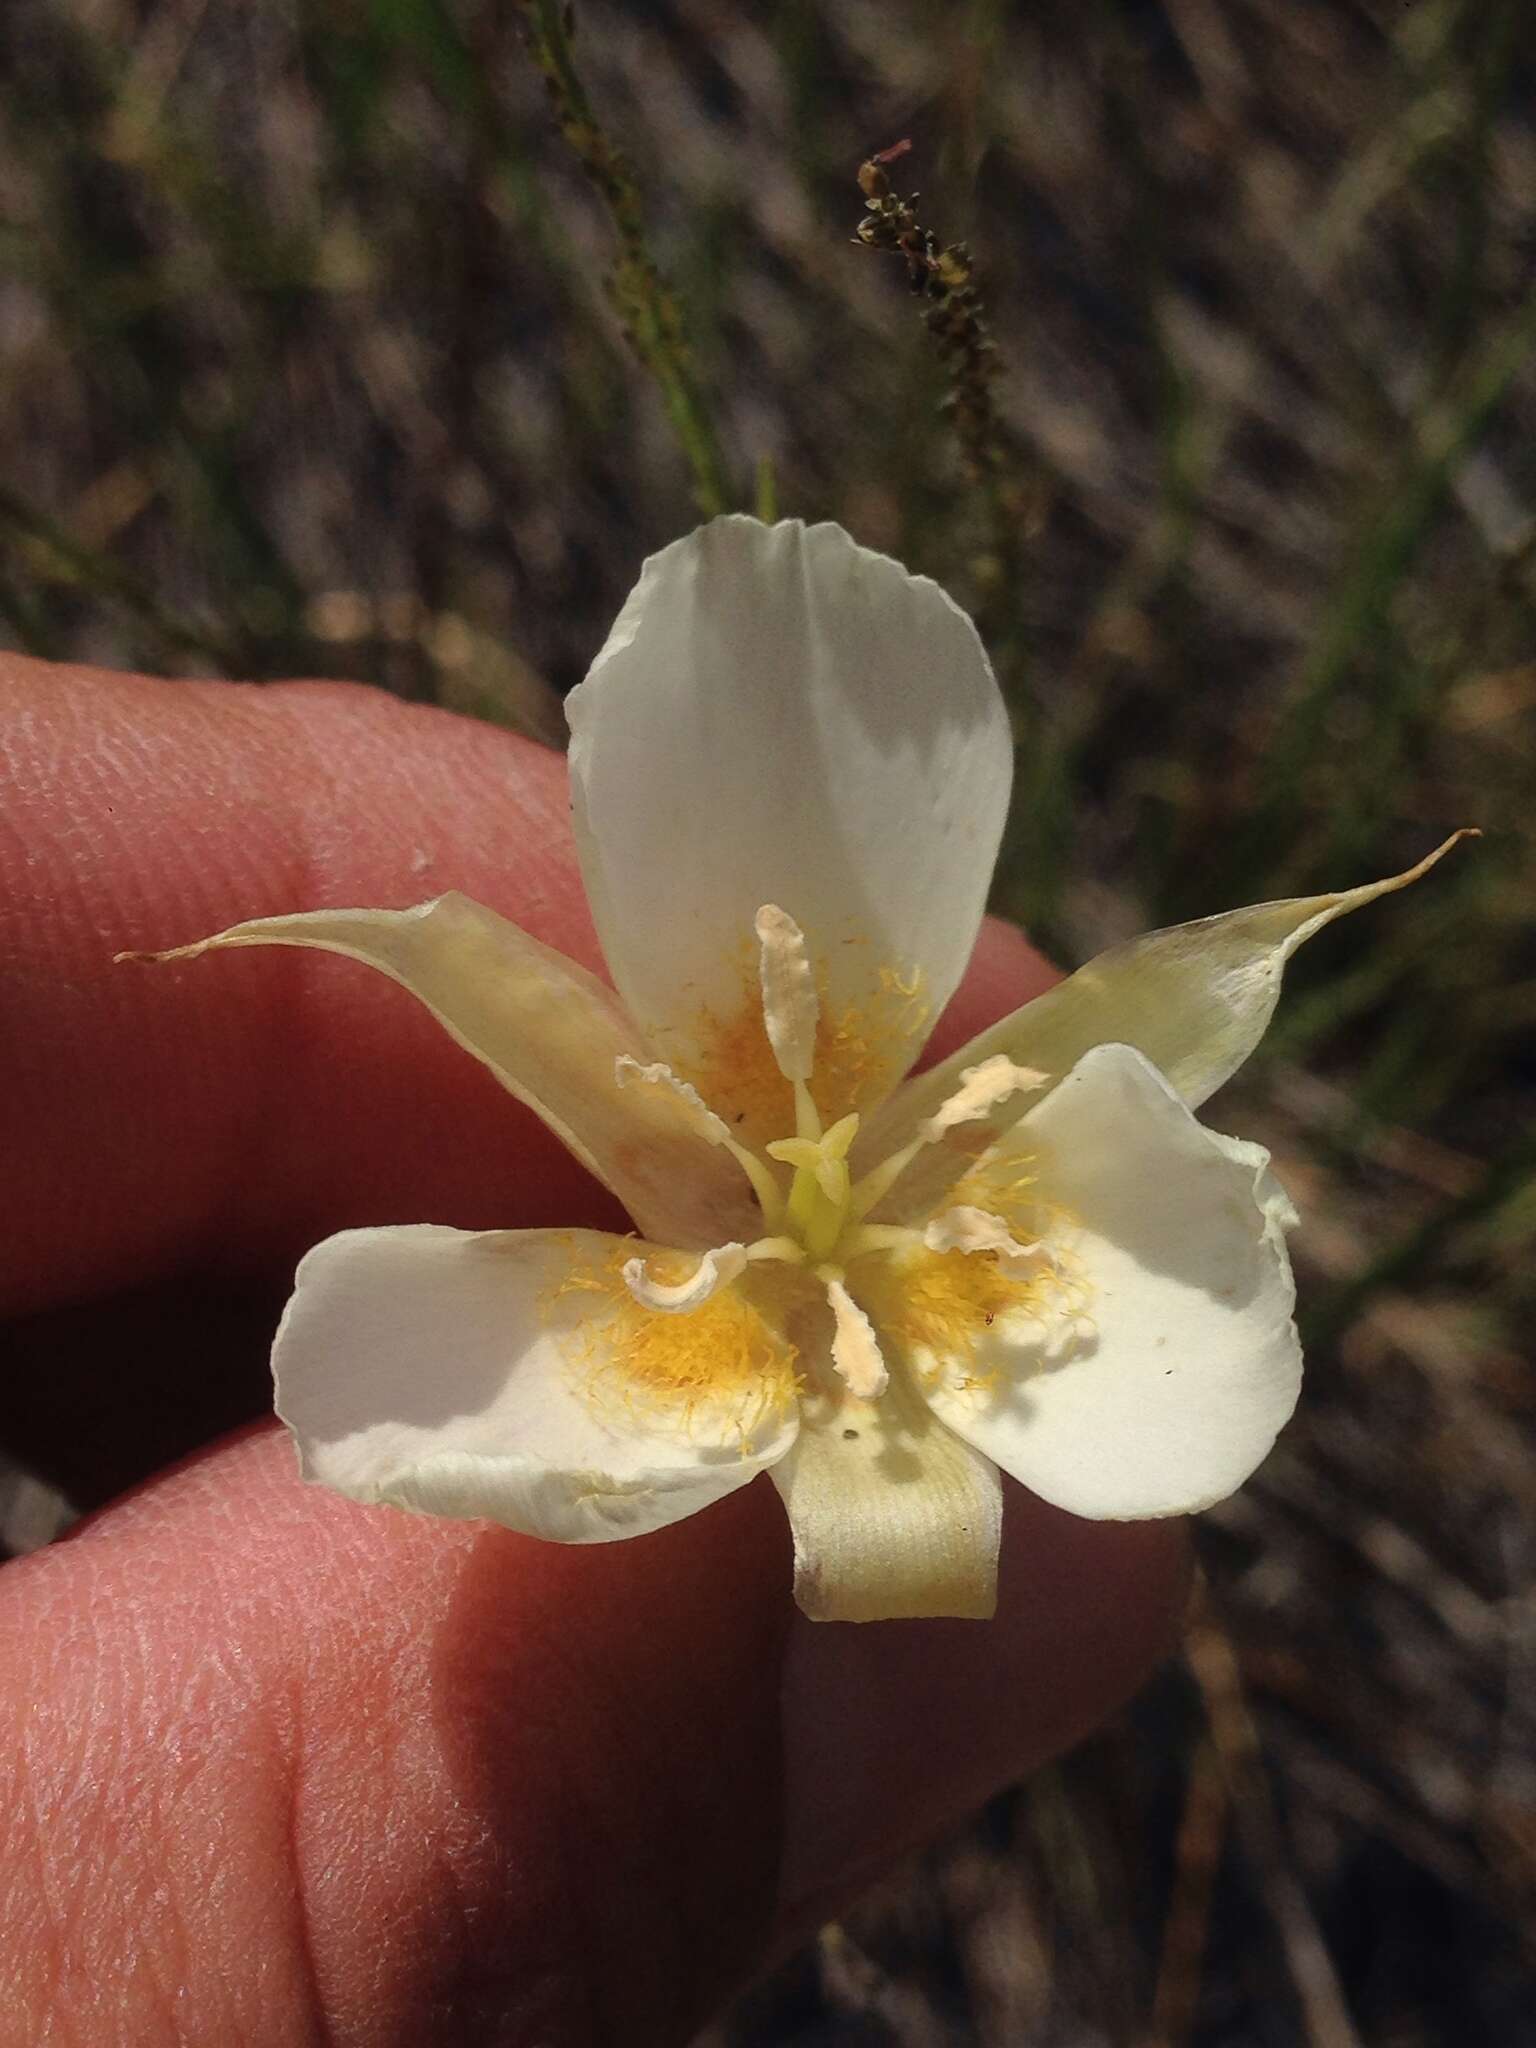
(790, 766)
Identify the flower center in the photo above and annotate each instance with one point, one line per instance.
(820, 1222)
(820, 1204)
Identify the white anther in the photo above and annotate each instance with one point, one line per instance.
(855, 1347)
(790, 1007)
(981, 1089)
(965, 1229)
(659, 1079)
(714, 1270)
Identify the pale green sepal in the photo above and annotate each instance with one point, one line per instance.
(550, 1033)
(1194, 999)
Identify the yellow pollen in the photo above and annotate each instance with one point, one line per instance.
(1009, 1190)
(860, 1050)
(941, 1310)
(938, 1309)
(723, 1359)
(729, 1364)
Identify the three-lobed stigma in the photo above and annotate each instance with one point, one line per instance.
(936, 1285)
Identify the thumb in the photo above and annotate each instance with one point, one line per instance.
(279, 1768)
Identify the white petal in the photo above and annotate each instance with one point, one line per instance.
(551, 1034)
(1195, 999)
(436, 1369)
(892, 1516)
(1191, 1365)
(781, 717)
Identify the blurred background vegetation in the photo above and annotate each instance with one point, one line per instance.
(309, 366)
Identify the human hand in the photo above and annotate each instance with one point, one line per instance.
(278, 1768)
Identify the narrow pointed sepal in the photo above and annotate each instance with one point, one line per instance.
(1194, 999)
(551, 1033)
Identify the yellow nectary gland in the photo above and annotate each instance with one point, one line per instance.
(723, 1359)
(682, 1332)
(859, 1051)
(1009, 1189)
(941, 1311)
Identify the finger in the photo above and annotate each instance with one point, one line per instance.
(256, 1656)
(174, 1116)
(224, 1114)
(283, 1769)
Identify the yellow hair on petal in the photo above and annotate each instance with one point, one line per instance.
(860, 1050)
(943, 1310)
(723, 1362)
(1007, 1187)
(860, 1054)
(939, 1308)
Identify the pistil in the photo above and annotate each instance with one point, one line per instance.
(820, 1221)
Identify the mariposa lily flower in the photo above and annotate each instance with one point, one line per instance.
(790, 766)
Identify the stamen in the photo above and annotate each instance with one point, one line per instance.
(790, 1006)
(855, 1347)
(659, 1078)
(807, 1115)
(981, 1090)
(865, 1238)
(716, 1269)
(965, 1229)
(628, 1071)
(788, 1249)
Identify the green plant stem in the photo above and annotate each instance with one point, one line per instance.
(647, 306)
(1442, 441)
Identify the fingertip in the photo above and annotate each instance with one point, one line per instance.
(1005, 971)
(893, 1731)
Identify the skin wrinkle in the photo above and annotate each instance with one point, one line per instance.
(305, 1957)
(119, 1765)
(387, 786)
(368, 1816)
(1099, 1596)
(696, 1711)
(104, 1046)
